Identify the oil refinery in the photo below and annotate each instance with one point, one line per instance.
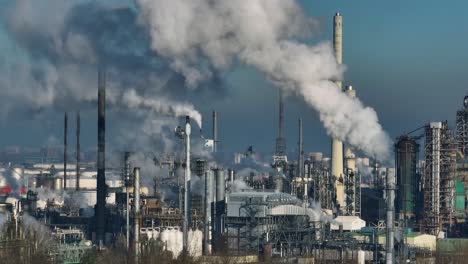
(366, 199)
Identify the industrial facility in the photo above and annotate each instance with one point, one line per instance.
(195, 207)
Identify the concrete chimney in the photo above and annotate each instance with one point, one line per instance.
(337, 145)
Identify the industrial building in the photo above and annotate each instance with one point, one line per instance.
(308, 207)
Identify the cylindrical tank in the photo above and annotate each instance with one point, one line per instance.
(316, 156)
(406, 152)
(220, 208)
(220, 185)
(231, 175)
(58, 183)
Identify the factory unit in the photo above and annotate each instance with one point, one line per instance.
(438, 179)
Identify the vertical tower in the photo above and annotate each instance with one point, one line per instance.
(77, 185)
(279, 159)
(406, 157)
(390, 234)
(136, 212)
(187, 196)
(337, 145)
(65, 137)
(462, 129)
(439, 175)
(215, 131)
(101, 160)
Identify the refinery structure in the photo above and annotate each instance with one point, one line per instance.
(307, 208)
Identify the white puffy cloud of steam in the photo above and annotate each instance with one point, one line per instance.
(238, 185)
(68, 198)
(134, 101)
(263, 34)
(53, 61)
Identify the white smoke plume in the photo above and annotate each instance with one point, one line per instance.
(324, 217)
(263, 34)
(134, 101)
(238, 185)
(68, 198)
(36, 230)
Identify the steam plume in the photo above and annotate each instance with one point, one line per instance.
(263, 34)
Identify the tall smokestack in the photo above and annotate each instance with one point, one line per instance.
(101, 159)
(389, 244)
(65, 139)
(220, 208)
(77, 185)
(280, 142)
(187, 199)
(136, 211)
(215, 131)
(300, 165)
(337, 145)
(208, 220)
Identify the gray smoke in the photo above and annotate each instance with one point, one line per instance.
(3, 221)
(263, 34)
(54, 60)
(324, 217)
(34, 229)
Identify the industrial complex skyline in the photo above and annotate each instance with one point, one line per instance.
(385, 61)
(247, 131)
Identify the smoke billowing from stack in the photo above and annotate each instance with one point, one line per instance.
(263, 34)
(65, 137)
(101, 159)
(78, 127)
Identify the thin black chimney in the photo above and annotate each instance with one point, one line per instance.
(101, 176)
(65, 134)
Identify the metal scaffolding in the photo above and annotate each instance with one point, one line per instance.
(438, 181)
(461, 135)
(351, 185)
(322, 184)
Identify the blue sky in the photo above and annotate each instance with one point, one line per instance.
(406, 59)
